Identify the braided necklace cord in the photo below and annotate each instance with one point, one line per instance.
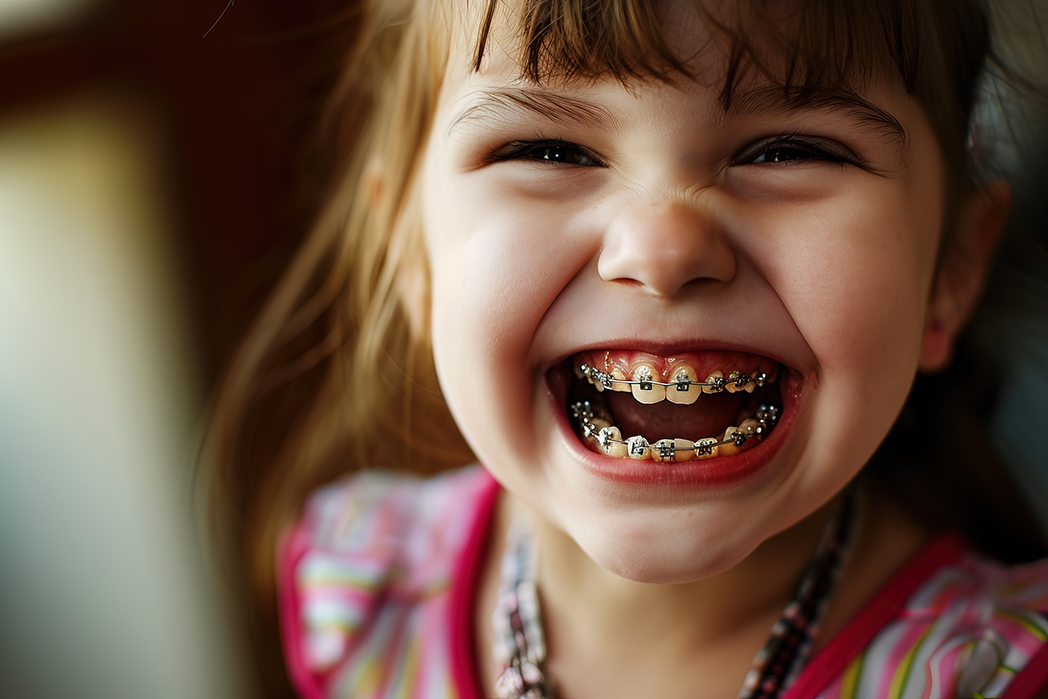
(520, 647)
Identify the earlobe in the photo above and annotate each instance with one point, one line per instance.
(963, 270)
(413, 285)
(375, 177)
(412, 277)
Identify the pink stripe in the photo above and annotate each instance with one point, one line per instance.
(1018, 635)
(1033, 677)
(909, 639)
(464, 672)
(290, 550)
(945, 668)
(352, 598)
(832, 660)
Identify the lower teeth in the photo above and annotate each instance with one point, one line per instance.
(609, 437)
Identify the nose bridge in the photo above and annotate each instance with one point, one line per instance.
(663, 243)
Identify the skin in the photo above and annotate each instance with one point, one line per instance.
(672, 223)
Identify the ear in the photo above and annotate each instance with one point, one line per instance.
(412, 282)
(963, 270)
(413, 287)
(375, 177)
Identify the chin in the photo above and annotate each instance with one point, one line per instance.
(665, 547)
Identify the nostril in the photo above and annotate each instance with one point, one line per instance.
(664, 247)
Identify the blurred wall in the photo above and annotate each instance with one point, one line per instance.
(106, 590)
(153, 183)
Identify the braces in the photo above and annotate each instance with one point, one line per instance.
(682, 382)
(766, 416)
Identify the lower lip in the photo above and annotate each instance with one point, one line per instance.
(717, 471)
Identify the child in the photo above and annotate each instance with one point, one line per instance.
(669, 269)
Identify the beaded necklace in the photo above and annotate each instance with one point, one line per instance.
(520, 647)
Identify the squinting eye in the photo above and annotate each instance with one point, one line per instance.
(782, 155)
(793, 149)
(549, 151)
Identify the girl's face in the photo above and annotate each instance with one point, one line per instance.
(649, 230)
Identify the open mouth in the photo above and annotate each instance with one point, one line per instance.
(696, 405)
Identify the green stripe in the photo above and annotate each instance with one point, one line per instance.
(902, 675)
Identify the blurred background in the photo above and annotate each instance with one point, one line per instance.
(153, 184)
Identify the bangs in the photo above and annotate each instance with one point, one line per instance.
(801, 46)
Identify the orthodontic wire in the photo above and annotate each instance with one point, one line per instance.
(766, 416)
(720, 383)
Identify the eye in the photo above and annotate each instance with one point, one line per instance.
(795, 149)
(548, 151)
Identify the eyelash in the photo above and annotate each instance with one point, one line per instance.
(527, 150)
(802, 148)
(808, 148)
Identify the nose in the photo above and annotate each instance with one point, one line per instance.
(664, 246)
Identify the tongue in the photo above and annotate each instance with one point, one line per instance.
(709, 416)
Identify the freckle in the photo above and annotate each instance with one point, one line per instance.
(690, 514)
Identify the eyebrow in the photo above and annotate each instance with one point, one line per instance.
(564, 109)
(558, 108)
(775, 99)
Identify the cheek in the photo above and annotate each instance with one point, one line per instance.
(494, 278)
(853, 272)
(854, 275)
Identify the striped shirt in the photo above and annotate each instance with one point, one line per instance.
(377, 582)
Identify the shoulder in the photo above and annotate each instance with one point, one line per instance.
(969, 625)
(367, 572)
(374, 513)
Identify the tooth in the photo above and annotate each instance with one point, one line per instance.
(637, 448)
(593, 379)
(705, 449)
(607, 437)
(715, 374)
(594, 426)
(749, 427)
(682, 393)
(684, 449)
(729, 449)
(663, 450)
(734, 379)
(618, 381)
(646, 391)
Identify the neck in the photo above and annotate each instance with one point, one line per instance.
(697, 634)
(610, 636)
(707, 609)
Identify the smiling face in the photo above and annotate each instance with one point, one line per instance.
(649, 227)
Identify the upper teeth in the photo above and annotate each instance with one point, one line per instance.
(683, 388)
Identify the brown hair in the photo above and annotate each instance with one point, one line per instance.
(334, 375)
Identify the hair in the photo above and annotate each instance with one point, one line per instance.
(336, 375)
